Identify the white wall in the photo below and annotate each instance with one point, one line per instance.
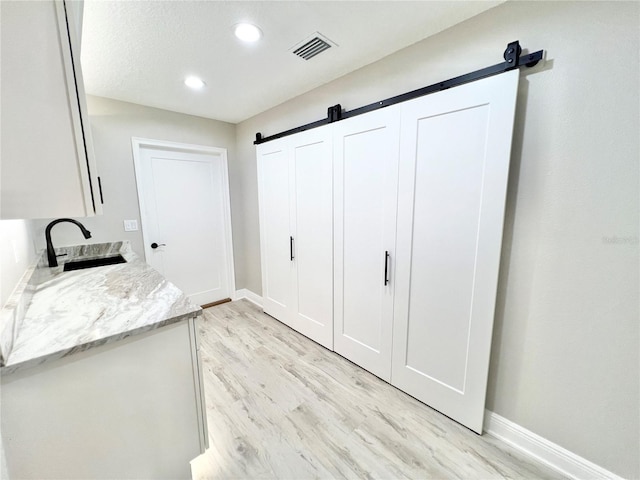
(113, 123)
(565, 360)
(17, 252)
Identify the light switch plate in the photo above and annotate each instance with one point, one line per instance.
(130, 225)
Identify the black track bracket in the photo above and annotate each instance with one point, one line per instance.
(334, 114)
(512, 55)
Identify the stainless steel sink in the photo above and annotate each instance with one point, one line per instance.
(94, 262)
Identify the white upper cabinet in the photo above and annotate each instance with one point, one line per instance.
(365, 186)
(48, 167)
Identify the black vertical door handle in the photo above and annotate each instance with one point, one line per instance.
(100, 188)
(291, 247)
(386, 267)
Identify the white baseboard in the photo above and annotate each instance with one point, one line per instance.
(549, 453)
(249, 295)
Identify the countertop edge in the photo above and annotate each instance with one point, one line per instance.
(7, 370)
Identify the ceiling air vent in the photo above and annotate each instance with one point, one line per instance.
(313, 46)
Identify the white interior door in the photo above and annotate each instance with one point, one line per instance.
(275, 231)
(365, 186)
(455, 152)
(312, 231)
(184, 200)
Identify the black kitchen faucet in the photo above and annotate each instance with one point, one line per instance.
(51, 254)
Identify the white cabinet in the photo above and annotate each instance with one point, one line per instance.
(418, 193)
(365, 188)
(124, 410)
(455, 152)
(48, 165)
(296, 230)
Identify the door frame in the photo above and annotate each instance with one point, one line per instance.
(137, 144)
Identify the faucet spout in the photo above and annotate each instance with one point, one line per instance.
(51, 254)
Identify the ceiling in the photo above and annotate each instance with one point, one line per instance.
(141, 51)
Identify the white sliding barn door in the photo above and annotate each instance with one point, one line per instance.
(275, 231)
(295, 176)
(365, 186)
(312, 231)
(455, 152)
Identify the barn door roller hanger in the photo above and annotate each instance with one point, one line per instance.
(512, 59)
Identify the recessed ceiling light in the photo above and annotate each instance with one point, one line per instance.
(247, 32)
(194, 82)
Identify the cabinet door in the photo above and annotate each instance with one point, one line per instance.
(312, 231)
(365, 186)
(198, 384)
(275, 232)
(455, 151)
(48, 168)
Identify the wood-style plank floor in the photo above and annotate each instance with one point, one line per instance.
(281, 406)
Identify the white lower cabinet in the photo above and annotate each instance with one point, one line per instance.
(296, 225)
(365, 188)
(418, 208)
(128, 410)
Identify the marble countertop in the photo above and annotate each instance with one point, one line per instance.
(54, 313)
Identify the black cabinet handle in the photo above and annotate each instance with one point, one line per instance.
(291, 248)
(155, 245)
(100, 188)
(386, 267)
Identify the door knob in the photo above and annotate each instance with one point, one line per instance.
(155, 245)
